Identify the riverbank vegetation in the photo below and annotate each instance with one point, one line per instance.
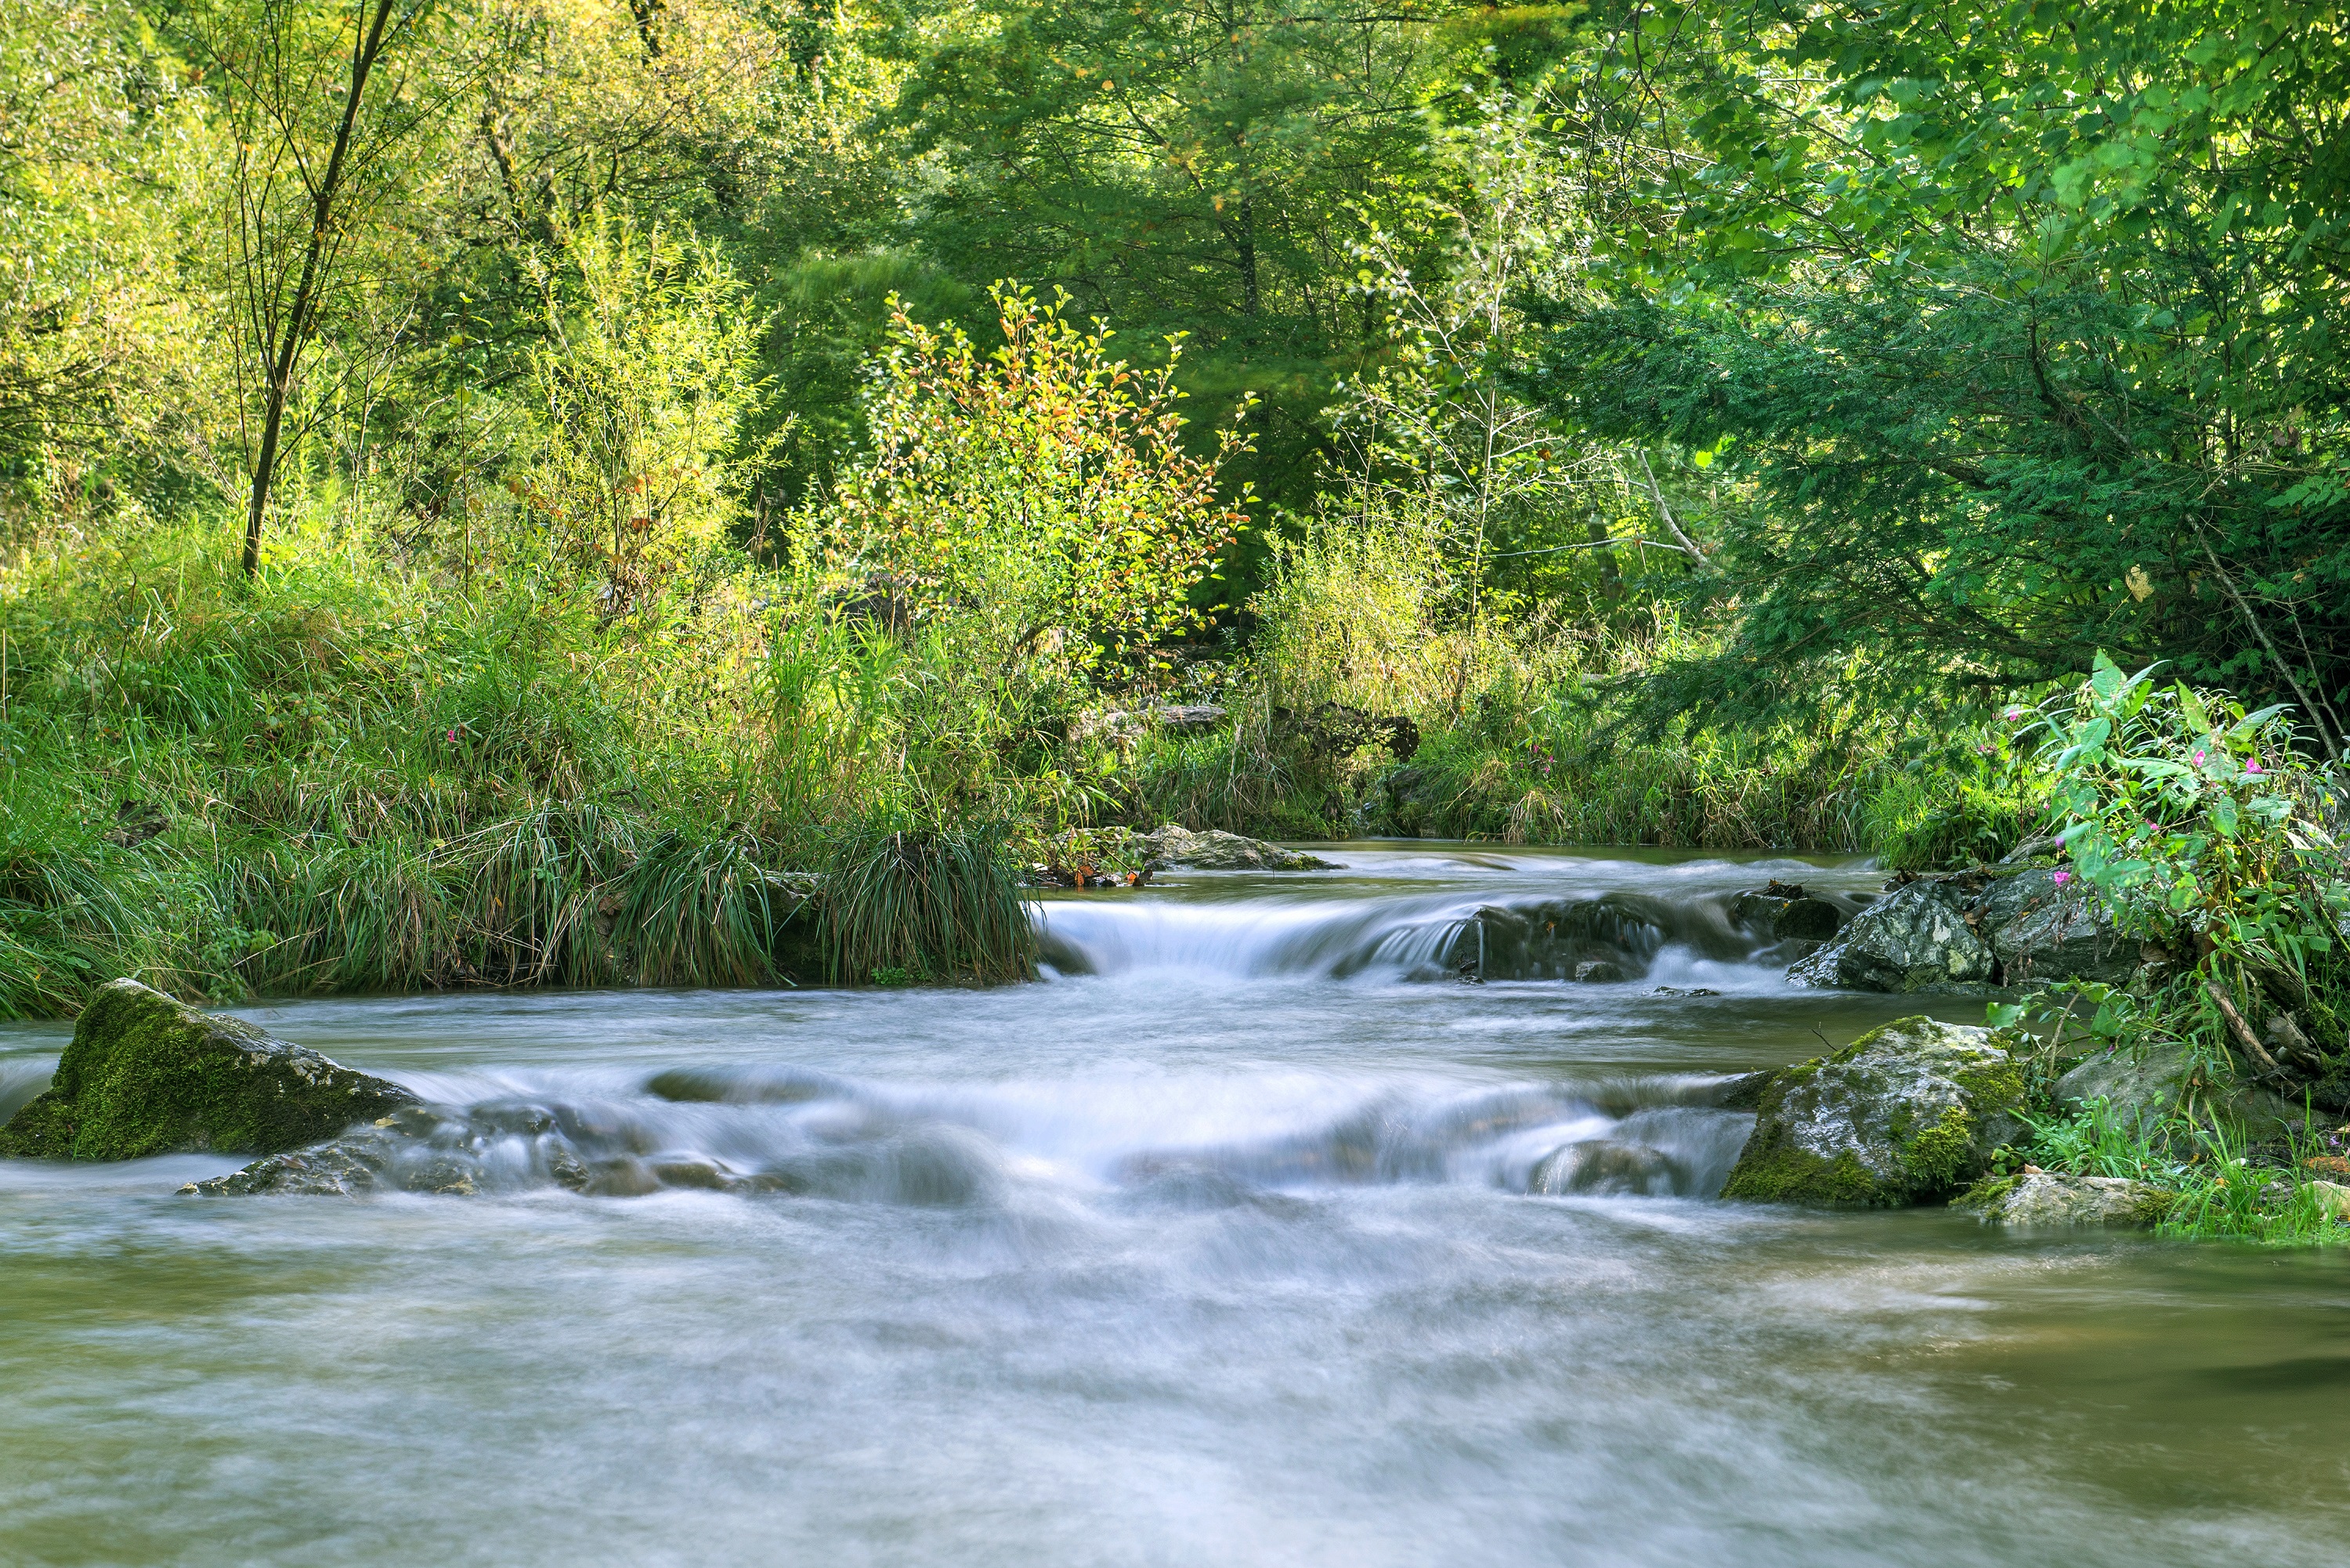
(559, 491)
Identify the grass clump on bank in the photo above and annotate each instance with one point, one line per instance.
(347, 777)
(2210, 1180)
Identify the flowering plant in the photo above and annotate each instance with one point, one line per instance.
(2214, 840)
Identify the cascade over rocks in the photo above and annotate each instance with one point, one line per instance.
(1906, 1114)
(147, 1074)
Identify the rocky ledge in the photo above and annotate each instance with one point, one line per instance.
(146, 1074)
(1121, 857)
(1974, 931)
(1171, 846)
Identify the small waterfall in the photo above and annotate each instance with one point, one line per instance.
(1521, 937)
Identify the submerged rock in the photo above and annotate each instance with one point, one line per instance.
(366, 1161)
(1215, 850)
(1783, 912)
(1607, 1167)
(464, 1153)
(1907, 1112)
(2052, 1197)
(1916, 938)
(146, 1074)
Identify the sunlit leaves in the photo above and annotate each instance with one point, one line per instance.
(1036, 501)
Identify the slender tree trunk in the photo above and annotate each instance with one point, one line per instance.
(289, 348)
(1247, 227)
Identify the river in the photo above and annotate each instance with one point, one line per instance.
(1253, 1234)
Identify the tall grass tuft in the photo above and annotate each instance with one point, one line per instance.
(372, 916)
(542, 910)
(940, 904)
(703, 910)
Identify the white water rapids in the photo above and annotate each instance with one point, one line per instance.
(1254, 1235)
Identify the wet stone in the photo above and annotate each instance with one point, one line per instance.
(1908, 1113)
(626, 1177)
(1917, 938)
(688, 1172)
(332, 1170)
(2040, 1197)
(1784, 912)
(1607, 1167)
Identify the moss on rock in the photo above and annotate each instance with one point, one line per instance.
(1905, 1114)
(146, 1074)
(2047, 1198)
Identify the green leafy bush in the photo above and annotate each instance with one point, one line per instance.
(2213, 839)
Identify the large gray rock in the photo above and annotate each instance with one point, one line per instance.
(1215, 850)
(2046, 925)
(2144, 1088)
(146, 1074)
(2044, 1198)
(1915, 938)
(1905, 1114)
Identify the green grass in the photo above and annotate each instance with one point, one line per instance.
(348, 779)
(2218, 1188)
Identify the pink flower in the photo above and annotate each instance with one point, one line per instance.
(2014, 713)
(2199, 758)
(2251, 770)
(2062, 877)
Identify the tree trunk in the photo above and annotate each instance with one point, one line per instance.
(286, 353)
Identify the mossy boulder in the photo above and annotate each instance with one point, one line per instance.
(146, 1074)
(2040, 1198)
(1905, 1114)
(1918, 937)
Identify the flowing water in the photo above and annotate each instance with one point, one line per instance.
(1252, 1235)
